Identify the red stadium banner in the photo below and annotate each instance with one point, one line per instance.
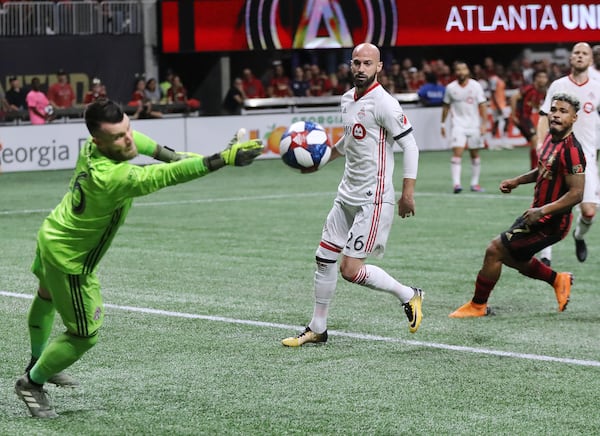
(234, 25)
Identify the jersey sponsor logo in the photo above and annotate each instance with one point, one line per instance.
(359, 131)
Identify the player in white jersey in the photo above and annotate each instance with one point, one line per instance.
(360, 220)
(594, 69)
(594, 73)
(579, 84)
(465, 101)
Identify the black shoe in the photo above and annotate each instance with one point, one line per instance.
(545, 261)
(580, 249)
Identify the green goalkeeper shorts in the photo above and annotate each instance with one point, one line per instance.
(76, 298)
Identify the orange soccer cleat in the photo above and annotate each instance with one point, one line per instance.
(562, 289)
(471, 310)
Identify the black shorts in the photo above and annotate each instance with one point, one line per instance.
(527, 128)
(523, 241)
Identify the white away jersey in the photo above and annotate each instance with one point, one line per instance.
(464, 103)
(586, 126)
(371, 125)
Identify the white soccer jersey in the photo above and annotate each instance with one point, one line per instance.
(593, 73)
(371, 125)
(586, 126)
(464, 104)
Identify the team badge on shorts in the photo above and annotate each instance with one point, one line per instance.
(97, 313)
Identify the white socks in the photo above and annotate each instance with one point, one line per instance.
(476, 171)
(376, 278)
(546, 253)
(325, 282)
(582, 227)
(370, 276)
(455, 169)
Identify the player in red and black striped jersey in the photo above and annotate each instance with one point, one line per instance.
(524, 104)
(559, 181)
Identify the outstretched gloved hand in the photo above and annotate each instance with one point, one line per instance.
(240, 153)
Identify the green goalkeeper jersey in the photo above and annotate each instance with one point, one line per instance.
(77, 233)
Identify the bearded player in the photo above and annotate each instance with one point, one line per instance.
(360, 220)
(559, 183)
(75, 236)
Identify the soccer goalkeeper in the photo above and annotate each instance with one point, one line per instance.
(77, 233)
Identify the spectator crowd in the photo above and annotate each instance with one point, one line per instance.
(149, 99)
(427, 79)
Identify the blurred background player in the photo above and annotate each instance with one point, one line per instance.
(559, 183)
(578, 83)
(525, 104)
(360, 220)
(465, 101)
(498, 108)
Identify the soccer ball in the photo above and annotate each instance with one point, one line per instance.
(305, 145)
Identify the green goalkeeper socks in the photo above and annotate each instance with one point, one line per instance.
(61, 353)
(40, 321)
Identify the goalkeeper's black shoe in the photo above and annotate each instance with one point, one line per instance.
(306, 337)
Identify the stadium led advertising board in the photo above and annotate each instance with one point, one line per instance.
(239, 25)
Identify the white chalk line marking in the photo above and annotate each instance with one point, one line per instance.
(361, 336)
(273, 197)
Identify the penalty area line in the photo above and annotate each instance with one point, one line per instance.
(360, 336)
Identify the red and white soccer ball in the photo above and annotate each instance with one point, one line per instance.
(305, 146)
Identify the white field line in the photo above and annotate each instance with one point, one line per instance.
(272, 197)
(361, 336)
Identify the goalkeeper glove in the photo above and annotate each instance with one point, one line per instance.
(237, 153)
(166, 154)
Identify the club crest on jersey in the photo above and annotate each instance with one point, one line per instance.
(546, 172)
(359, 131)
(588, 107)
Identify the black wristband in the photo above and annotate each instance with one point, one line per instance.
(214, 162)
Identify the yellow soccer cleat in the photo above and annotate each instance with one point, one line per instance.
(306, 337)
(413, 311)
